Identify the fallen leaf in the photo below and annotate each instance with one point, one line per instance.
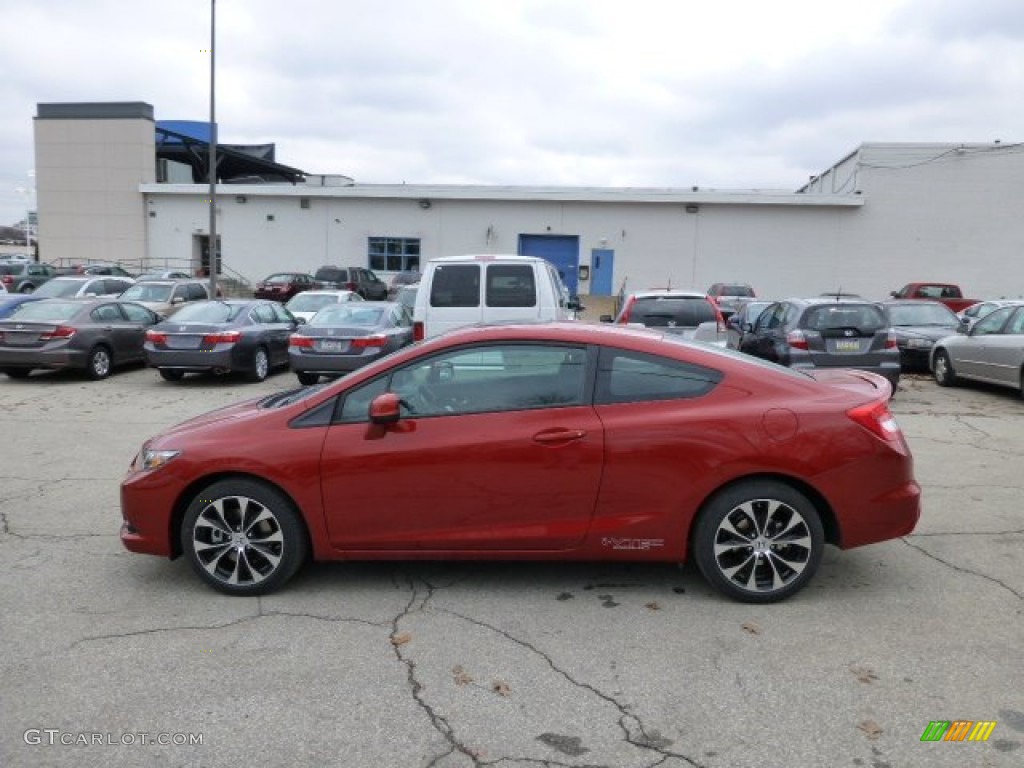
(401, 639)
(752, 628)
(501, 688)
(653, 605)
(871, 729)
(461, 676)
(864, 674)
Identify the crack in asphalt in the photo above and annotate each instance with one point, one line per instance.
(960, 569)
(637, 735)
(967, 533)
(243, 620)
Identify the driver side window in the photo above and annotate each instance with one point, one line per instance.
(992, 322)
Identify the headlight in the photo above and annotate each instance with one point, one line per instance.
(920, 343)
(149, 459)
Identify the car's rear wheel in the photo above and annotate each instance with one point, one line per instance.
(27, 288)
(759, 541)
(18, 373)
(942, 369)
(99, 363)
(243, 537)
(307, 379)
(260, 365)
(171, 375)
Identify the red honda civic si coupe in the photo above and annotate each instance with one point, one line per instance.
(545, 442)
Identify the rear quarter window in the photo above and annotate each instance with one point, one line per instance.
(455, 285)
(633, 377)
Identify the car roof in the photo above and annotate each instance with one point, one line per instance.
(669, 293)
(486, 257)
(323, 292)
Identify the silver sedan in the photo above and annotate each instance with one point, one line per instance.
(991, 351)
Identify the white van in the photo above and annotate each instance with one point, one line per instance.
(456, 291)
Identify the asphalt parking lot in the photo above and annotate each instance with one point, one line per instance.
(509, 664)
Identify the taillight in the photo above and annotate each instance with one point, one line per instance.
(226, 337)
(7, 280)
(877, 419)
(719, 318)
(304, 342)
(369, 342)
(418, 331)
(155, 337)
(890, 340)
(60, 332)
(350, 286)
(797, 340)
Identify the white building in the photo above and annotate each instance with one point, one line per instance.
(884, 215)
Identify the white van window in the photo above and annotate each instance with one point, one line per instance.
(455, 285)
(511, 285)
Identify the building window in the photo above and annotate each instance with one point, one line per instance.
(394, 254)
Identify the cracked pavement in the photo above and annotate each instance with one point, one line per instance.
(460, 665)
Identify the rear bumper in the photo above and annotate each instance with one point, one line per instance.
(331, 364)
(194, 361)
(56, 359)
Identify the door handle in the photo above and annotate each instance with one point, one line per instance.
(559, 436)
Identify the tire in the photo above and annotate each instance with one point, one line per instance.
(243, 537)
(99, 363)
(308, 379)
(27, 288)
(168, 374)
(758, 541)
(18, 373)
(942, 369)
(260, 365)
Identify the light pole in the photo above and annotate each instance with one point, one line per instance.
(213, 250)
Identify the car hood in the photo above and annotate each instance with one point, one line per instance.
(238, 412)
(932, 332)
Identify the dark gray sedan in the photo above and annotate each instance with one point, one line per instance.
(917, 325)
(95, 335)
(223, 336)
(344, 337)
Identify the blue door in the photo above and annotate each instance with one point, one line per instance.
(563, 251)
(602, 264)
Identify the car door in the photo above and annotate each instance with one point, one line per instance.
(497, 450)
(975, 355)
(762, 339)
(112, 327)
(138, 321)
(270, 332)
(1000, 354)
(285, 325)
(377, 289)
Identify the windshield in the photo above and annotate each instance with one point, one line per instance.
(151, 292)
(342, 315)
(59, 288)
(307, 302)
(284, 277)
(46, 311)
(208, 312)
(921, 314)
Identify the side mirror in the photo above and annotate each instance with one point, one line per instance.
(894, 294)
(607, 319)
(385, 409)
(178, 300)
(300, 321)
(574, 304)
(747, 327)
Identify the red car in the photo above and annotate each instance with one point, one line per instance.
(281, 286)
(546, 442)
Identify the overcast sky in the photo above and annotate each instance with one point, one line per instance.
(650, 93)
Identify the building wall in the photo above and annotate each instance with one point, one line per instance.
(778, 249)
(90, 161)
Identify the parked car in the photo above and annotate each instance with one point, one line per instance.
(400, 279)
(24, 276)
(729, 296)
(308, 303)
(341, 338)
(476, 289)
(688, 314)
(84, 286)
(825, 333)
(165, 297)
(221, 336)
(917, 325)
(948, 293)
(3, 288)
(743, 318)
(281, 286)
(991, 351)
(362, 281)
(104, 269)
(406, 296)
(530, 435)
(9, 302)
(968, 317)
(94, 335)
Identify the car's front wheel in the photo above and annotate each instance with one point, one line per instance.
(243, 537)
(759, 541)
(942, 369)
(27, 288)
